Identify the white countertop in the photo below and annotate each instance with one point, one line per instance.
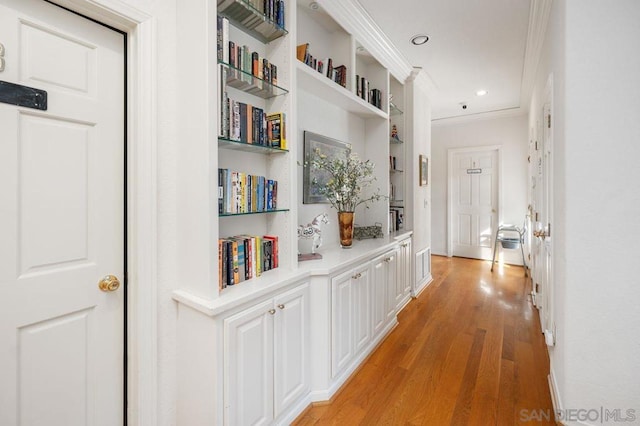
(334, 259)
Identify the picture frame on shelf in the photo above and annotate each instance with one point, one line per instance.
(330, 147)
(423, 165)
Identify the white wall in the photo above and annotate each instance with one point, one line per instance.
(419, 135)
(596, 102)
(508, 132)
(313, 116)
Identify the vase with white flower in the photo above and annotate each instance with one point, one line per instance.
(345, 179)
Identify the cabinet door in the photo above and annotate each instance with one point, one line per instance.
(405, 247)
(391, 261)
(398, 273)
(341, 322)
(379, 294)
(291, 347)
(248, 359)
(361, 290)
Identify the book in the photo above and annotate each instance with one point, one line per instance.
(259, 262)
(220, 267)
(274, 250)
(277, 130)
(234, 262)
(220, 191)
(301, 51)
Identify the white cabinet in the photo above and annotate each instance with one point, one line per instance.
(405, 274)
(391, 272)
(265, 357)
(291, 347)
(384, 271)
(379, 278)
(350, 316)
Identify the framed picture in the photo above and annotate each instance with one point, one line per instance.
(424, 170)
(331, 148)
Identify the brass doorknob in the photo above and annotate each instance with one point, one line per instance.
(109, 283)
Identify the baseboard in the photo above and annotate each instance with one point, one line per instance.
(326, 396)
(553, 389)
(425, 283)
(298, 410)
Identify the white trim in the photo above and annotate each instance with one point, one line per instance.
(539, 13)
(553, 388)
(450, 153)
(354, 18)
(488, 115)
(141, 199)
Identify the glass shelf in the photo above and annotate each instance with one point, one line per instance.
(394, 110)
(395, 141)
(248, 147)
(251, 20)
(250, 213)
(251, 84)
(396, 171)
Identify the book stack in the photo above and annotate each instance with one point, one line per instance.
(240, 193)
(244, 257)
(372, 96)
(273, 10)
(396, 216)
(338, 74)
(246, 123)
(243, 59)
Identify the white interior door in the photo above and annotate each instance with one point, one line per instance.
(542, 215)
(474, 183)
(61, 220)
(544, 223)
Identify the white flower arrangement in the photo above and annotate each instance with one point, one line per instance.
(347, 178)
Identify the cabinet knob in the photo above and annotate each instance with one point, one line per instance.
(281, 306)
(356, 276)
(272, 311)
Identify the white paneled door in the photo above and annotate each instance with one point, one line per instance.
(61, 220)
(474, 187)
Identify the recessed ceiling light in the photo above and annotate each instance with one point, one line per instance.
(419, 39)
(481, 92)
(314, 5)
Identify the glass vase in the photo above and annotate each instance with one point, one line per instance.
(345, 224)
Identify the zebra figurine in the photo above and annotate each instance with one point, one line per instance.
(314, 230)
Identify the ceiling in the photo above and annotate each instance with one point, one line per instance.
(474, 45)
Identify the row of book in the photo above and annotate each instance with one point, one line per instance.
(242, 58)
(363, 90)
(249, 124)
(396, 218)
(244, 257)
(337, 74)
(273, 10)
(242, 193)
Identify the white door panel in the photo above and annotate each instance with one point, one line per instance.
(61, 220)
(474, 202)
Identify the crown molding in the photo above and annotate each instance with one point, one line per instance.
(538, 20)
(420, 77)
(489, 115)
(355, 20)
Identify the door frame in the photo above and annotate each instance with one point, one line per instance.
(141, 200)
(450, 154)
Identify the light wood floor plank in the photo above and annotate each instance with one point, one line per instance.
(469, 350)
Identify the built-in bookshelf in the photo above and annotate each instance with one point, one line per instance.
(254, 109)
(397, 155)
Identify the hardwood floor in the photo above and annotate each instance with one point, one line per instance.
(469, 350)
